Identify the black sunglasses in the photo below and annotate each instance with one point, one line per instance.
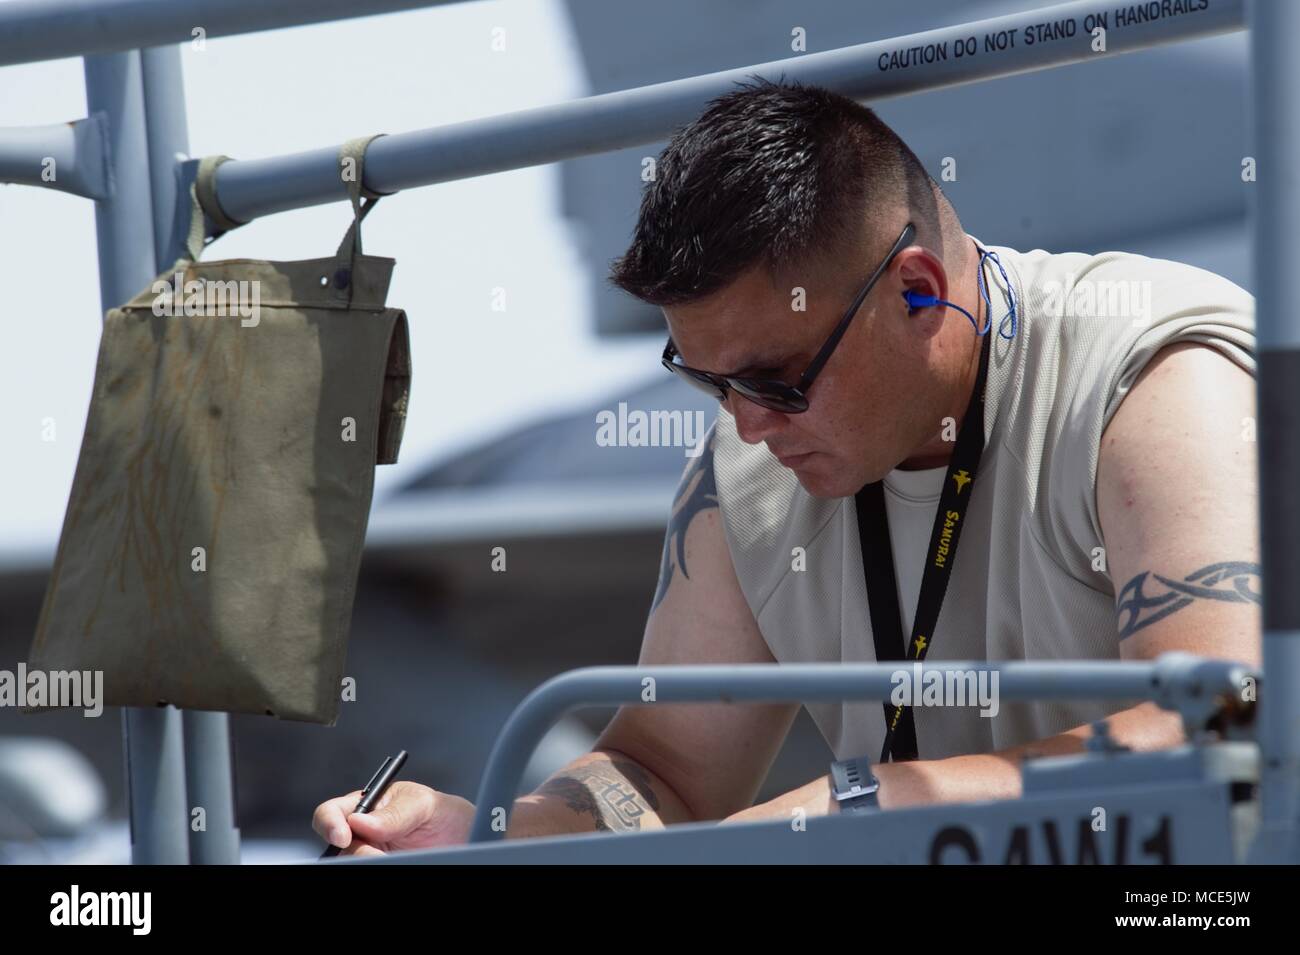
(768, 392)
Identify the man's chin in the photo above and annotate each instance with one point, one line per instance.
(822, 485)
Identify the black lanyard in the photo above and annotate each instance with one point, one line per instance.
(878, 562)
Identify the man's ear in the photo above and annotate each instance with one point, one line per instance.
(920, 271)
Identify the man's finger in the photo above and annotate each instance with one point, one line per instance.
(380, 825)
(398, 813)
(331, 818)
(360, 848)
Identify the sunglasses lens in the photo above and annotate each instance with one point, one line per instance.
(697, 379)
(774, 395)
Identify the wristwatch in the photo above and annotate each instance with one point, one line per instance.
(854, 786)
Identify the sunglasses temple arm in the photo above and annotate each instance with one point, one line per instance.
(820, 359)
(824, 355)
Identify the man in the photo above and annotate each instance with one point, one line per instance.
(790, 237)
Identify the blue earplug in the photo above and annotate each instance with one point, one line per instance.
(918, 300)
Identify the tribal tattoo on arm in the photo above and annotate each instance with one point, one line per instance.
(615, 795)
(697, 492)
(1228, 581)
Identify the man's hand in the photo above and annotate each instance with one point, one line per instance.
(653, 766)
(409, 816)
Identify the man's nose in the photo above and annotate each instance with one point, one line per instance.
(754, 423)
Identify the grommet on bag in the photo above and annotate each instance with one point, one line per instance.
(341, 278)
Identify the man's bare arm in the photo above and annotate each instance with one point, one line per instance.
(660, 764)
(971, 778)
(601, 791)
(1176, 497)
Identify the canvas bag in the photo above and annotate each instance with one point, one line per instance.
(253, 437)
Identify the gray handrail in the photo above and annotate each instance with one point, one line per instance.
(250, 188)
(1177, 681)
(33, 30)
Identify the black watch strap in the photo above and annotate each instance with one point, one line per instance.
(853, 785)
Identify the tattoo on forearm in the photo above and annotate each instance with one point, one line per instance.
(614, 795)
(1229, 581)
(697, 492)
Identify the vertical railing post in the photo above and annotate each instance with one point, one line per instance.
(209, 781)
(1274, 32)
(124, 228)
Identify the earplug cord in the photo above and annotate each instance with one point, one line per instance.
(918, 300)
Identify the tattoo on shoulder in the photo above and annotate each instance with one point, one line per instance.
(1149, 597)
(697, 492)
(615, 796)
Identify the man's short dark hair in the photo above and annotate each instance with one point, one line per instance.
(773, 174)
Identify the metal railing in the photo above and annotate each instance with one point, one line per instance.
(136, 128)
(1177, 681)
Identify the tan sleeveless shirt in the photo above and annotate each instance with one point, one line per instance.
(1024, 585)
